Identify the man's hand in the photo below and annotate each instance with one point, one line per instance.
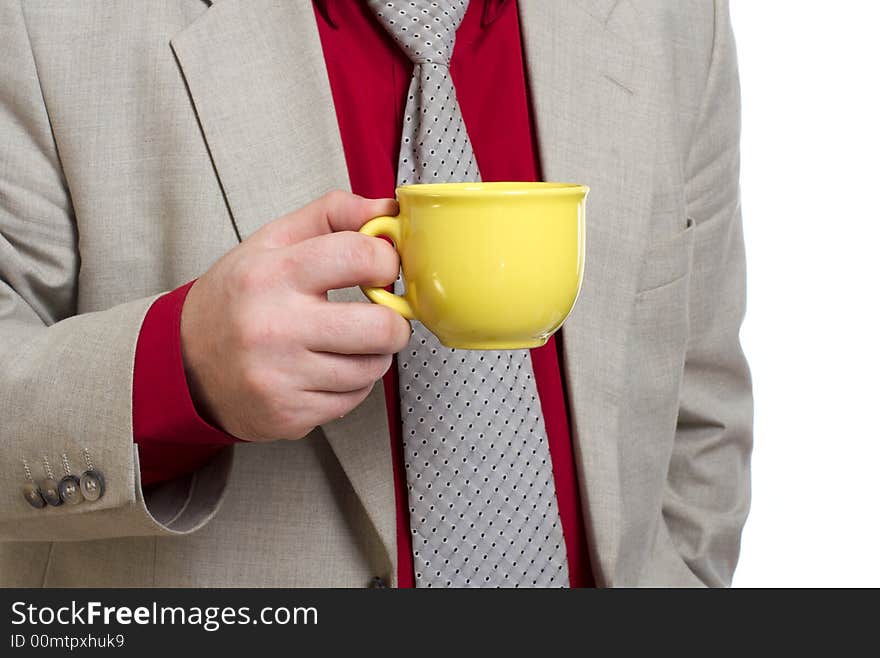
(267, 357)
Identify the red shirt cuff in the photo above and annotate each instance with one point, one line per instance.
(173, 439)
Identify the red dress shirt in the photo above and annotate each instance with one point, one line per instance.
(369, 77)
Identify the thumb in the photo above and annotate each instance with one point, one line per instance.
(333, 212)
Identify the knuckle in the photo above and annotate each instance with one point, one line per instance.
(342, 404)
(291, 260)
(360, 255)
(387, 260)
(247, 275)
(391, 329)
(295, 265)
(381, 364)
(371, 368)
(304, 258)
(336, 197)
(402, 337)
(384, 323)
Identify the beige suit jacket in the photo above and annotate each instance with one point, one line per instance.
(139, 141)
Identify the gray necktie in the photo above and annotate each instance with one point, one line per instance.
(482, 500)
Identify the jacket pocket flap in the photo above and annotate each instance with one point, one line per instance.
(669, 260)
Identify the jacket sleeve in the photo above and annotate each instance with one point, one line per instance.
(708, 488)
(66, 378)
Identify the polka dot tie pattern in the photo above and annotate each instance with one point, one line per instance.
(482, 500)
(435, 147)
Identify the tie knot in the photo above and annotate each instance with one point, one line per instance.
(424, 30)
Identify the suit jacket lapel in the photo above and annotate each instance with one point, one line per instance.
(594, 119)
(256, 75)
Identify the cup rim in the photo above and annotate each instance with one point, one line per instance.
(499, 188)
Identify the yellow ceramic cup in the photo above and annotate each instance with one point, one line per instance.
(486, 266)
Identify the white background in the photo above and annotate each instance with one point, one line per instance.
(810, 73)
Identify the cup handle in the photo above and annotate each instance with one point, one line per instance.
(388, 227)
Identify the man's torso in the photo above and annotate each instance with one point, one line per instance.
(182, 128)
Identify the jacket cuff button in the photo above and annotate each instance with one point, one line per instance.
(32, 495)
(49, 489)
(69, 490)
(91, 484)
